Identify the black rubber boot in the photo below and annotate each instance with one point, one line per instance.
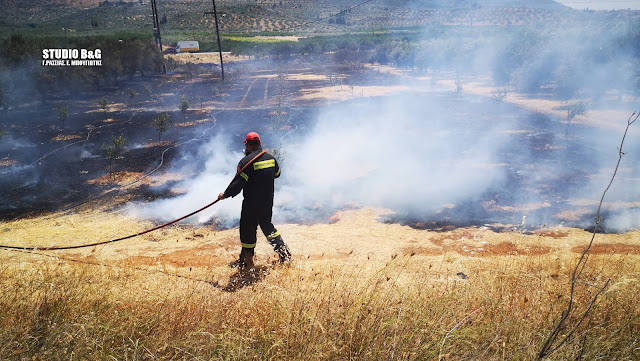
(275, 239)
(244, 261)
(283, 253)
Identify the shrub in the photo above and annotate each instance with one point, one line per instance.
(112, 152)
(102, 103)
(63, 114)
(162, 123)
(573, 110)
(500, 93)
(184, 103)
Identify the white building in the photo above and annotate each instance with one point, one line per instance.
(187, 46)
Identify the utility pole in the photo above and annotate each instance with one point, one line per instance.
(156, 30)
(215, 14)
(156, 24)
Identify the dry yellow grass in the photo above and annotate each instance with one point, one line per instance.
(607, 118)
(119, 178)
(307, 76)
(137, 179)
(63, 137)
(344, 92)
(386, 69)
(205, 58)
(6, 161)
(358, 290)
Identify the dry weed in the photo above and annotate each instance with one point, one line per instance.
(414, 308)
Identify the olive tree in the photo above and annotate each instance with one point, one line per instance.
(63, 114)
(113, 151)
(184, 103)
(162, 123)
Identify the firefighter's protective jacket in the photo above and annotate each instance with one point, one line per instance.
(256, 181)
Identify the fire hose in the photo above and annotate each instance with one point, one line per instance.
(139, 233)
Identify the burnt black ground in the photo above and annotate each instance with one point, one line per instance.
(60, 180)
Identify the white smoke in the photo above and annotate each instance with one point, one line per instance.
(389, 153)
(396, 152)
(219, 169)
(620, 210)
(417, 153)
(409, 153)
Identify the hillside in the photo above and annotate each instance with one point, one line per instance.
(416, 4)
(442, 168)
(299, 16)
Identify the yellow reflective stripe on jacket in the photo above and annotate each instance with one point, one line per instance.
(248, 245)
(264, 164)
(278, 173)
(246, 177)
(273, 235)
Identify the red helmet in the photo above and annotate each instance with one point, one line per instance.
(252, 136)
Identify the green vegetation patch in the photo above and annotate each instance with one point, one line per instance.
(259, 39)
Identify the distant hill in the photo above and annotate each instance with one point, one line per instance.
(536, 4)
(35, 4)
(448, 4)
(415, 4)
(282, 16)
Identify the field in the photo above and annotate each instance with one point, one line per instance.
(390, 293)
(442, 172)
(363, 285)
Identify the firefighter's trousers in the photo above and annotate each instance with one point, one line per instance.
(250, 218)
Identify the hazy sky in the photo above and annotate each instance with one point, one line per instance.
(602, 4)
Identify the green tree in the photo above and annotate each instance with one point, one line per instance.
(3, 101)
(184, 103)
(45, 84)
(111, 70)
(132, 62)
(113, 151)
(162, 123)
(573, 110)
(102, 103)
(152, 58)
(15, 50)
(63, 114)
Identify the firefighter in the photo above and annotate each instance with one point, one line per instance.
(256, 182)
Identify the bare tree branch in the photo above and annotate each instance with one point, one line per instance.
(548, 346)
